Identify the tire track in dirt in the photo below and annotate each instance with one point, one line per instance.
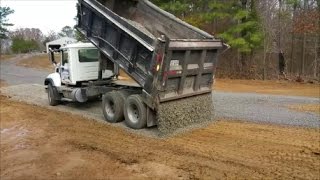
(63, 146)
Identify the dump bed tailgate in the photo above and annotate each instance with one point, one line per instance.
(188, 68)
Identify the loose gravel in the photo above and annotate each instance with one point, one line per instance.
(263, 108)
(236, 106)
(178, 114)
(140, 27)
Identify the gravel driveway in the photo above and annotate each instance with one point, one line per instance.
(265, 108)
(237, 106)
(13, 74)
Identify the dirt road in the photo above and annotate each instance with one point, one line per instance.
(37, 143)
(42, 143)
(241, 106)
(13, 74)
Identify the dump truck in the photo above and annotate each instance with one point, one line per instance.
(171, 64)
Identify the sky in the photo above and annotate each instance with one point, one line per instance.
(43, 14)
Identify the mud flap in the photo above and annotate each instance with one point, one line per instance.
(151, 118)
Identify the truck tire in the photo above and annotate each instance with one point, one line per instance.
(52, 95)
(135, 112)
(112, 106)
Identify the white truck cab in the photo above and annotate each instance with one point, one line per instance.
(79, 63)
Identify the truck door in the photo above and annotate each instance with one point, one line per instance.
(65, 67)
(88, 66)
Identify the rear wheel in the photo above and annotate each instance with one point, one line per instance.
(135, 112)
(52, 95)
(112, 106)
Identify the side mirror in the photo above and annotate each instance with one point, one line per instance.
(51, 57)
(57, 70)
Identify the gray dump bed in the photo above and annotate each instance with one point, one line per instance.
(154, 19)
(167, 57)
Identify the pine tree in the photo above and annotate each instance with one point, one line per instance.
(4, 12)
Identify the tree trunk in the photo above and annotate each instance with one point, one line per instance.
(293, 38)
(279, 33)
(315, 64)
(303, 53)
(304, 40)
(0, 48)
(292, 48)
(318, 44)
(265, 50)
(239, 62)
(243, 63)
(243, 33)
(264, 58)
(214, 23)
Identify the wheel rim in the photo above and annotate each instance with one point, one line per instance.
(109, 108)
(133, 113)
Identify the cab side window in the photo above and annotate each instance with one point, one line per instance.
(88, 55)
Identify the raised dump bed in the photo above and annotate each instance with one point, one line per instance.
(172, 61)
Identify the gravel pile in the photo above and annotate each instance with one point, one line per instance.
(140, 27)
(179, 114)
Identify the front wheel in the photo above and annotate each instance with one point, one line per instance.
(52, 95)
(135, 112)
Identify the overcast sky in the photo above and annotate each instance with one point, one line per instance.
(43, 14)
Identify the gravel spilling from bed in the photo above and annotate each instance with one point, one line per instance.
(179, 114)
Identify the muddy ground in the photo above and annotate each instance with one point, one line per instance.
(38, 143)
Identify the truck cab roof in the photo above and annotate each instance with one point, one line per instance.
(79, 45)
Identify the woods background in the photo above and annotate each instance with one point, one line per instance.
(258, 30)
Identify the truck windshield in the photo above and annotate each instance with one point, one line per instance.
(88, 55)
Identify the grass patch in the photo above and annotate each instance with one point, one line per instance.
(39, 62)
(4, 57)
